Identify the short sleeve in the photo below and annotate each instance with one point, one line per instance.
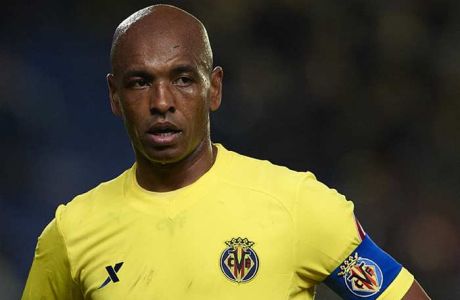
(332, 247)
(50, 274)
(326, 230)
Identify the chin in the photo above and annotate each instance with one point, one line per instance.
(165, 157)
(164, 161)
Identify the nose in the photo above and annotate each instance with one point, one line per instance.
(161, 99)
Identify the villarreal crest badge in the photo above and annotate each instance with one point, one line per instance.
(239, 262)
(362, 276)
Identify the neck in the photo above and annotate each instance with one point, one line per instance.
(168, 177)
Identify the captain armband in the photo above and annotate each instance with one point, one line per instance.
(365, 273)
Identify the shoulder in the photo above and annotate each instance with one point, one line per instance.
(103, 191)
(104, 197)
(263, 175)
(277, 181)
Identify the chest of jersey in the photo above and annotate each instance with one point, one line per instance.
(237, 243)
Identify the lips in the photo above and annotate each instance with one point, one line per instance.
(163, 133)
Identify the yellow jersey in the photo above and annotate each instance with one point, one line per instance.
(246, 229)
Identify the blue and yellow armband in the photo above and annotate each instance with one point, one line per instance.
(368, 273)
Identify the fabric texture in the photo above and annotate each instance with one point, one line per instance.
(247, 229)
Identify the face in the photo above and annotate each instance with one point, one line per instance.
(163, 91)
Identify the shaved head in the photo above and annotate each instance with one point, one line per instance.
(157, 22)
(163, 85)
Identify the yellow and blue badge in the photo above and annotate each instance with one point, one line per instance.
(365, 273)
(239, 261)
(362, 276)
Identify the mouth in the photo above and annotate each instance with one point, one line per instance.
(164, 133)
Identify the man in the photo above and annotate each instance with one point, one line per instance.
(190, 219)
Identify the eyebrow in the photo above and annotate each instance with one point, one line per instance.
(182, 68)
(136, 73)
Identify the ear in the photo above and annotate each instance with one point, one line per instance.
(216, 88)
(113, 95)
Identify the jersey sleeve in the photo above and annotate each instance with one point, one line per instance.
(325, 230)
(50, 274)
(333, 248)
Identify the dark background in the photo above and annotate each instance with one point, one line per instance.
(365, 94)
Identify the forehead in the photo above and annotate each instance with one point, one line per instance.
(147, 46)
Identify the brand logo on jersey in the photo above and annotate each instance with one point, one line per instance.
(362, 276)
(239, 262)
(112, 274)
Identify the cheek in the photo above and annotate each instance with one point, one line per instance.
(131, 129)
(134, 115)
(197, 118)
(194, 105)
(202, 122)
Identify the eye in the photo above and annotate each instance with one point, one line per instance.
(137, 83)
(183, 81)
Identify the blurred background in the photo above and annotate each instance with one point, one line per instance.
(365, 94)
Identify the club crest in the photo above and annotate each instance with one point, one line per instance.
(239, 262)
(362, 276)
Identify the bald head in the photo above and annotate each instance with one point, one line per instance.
(157, 23)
